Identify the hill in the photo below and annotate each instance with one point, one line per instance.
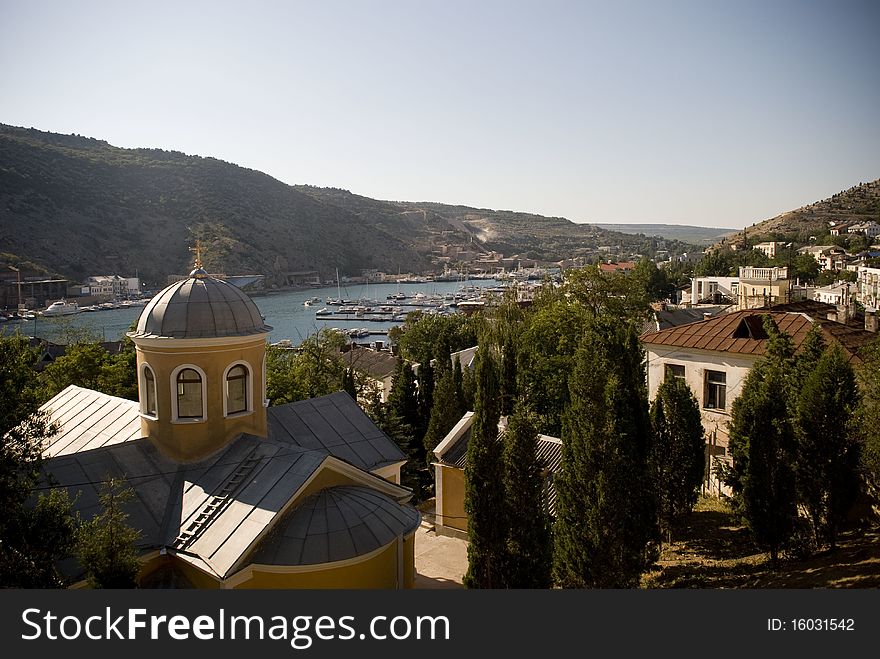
(431, 224)
(78, 206)
(858, 204)
(684, 232)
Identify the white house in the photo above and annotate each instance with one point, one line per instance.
(836, 293)
(870, 228)
(714, 356)
(768, 248)
(714, 289)
(868, 285)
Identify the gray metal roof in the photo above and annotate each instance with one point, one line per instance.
(336, 524)
(337, 425)
(548, 453)
(200, 307)
(213, 512)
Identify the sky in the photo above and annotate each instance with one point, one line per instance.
(702, 112)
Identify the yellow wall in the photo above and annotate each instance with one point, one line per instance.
(452, 492)
(378, 572)
(192, 441)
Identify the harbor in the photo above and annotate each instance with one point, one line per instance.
(364, 312)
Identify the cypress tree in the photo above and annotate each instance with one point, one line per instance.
(458, 383)
(828, 455)
(508, 375)
(529, 543)
(445, 412)
(106, 545)
(403, 416)
(425, 396)
(606, 513)
(762, 445)
(678, 452)
(348, 383)
(483, 477)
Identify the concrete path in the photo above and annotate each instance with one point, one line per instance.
(441, 561)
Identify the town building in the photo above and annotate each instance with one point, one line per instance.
(229, 492)
(868, 285)
(451, 458)
(714, 356)
(759, 287)
(769, 248)
(377, 366)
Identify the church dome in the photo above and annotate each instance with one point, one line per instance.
(200, 307)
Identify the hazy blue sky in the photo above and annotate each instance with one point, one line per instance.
(709, 113)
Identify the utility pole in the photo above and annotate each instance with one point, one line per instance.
(18, 276)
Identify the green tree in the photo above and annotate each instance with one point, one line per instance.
(425, 395)
(678, 452)
(33, 536)
(106, 544)
(424, 337)
(653, 280)
(617, 294)
(82, 364)
(446, 411)
(312, 369)
(606, 512)
(484, 488)
(458, 384)
(868, 414)
(828, 454)
(546, 357)
(348, 383)
(762, 446)
(404, 413)
(529, 541)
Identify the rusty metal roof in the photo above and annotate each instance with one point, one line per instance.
(741, 332)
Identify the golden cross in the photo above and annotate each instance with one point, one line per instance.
(197, 250)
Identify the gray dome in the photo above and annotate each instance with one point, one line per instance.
(336, 524)
(200, 307)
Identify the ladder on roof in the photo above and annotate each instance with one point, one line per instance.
(218, 502)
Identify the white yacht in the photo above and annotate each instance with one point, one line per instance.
(62, 308)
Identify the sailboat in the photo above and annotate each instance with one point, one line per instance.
(337, 301)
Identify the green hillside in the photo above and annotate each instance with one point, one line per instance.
(77, 206)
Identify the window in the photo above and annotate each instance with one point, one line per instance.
(237, 389)
(189, 394)
(674, 371)
(149, 395)
(716, 388)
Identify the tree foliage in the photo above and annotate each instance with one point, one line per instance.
(484, 499)
(678, 452)
(546, 357)
(828, 454)
(763, 446)
(312, 369)
(35, 531)
(529, 550)
(606, 515)
(89, 365)
(106, 545)
(446, 411)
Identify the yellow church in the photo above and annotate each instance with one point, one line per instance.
(229, 492)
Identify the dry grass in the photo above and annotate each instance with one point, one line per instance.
(713, 550)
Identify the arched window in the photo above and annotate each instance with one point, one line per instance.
(149, 393)
(189, 394)
(237, 389)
